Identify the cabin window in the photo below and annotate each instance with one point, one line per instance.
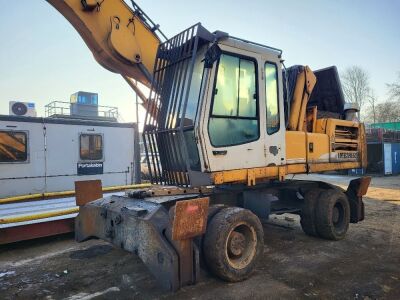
(271, 98)
(13, 146)
(91, 147)
(194, 90)
(234, 114)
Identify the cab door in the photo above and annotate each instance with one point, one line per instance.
(275, 129)
(230, 130)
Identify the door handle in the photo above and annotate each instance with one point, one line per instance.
(220, 152)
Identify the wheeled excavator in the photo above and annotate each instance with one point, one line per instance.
(226, 123)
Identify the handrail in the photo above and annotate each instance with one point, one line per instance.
(45, 215)
(67, 193)
(146, 19)
(63, 108)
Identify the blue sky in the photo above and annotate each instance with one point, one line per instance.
(43, 59)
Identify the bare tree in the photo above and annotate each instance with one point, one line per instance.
(372, 100)
(355, 82)
(394, 89)
(388, 111)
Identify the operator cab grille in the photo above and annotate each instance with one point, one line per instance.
(168, 132)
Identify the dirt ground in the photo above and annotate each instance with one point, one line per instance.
(365, 265)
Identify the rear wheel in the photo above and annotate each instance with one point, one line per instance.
(307, 216)
(332, 215)
(233, 243)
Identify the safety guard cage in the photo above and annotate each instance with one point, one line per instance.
(163, 134)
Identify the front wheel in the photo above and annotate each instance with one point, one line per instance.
(233, 243)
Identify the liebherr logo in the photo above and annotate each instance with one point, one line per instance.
(347, 155)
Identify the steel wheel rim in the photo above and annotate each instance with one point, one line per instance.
(241, 245)
(338, 216)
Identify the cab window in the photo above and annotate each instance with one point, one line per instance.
(91, 147)
(234, 112)
(13, 146)
(271, 98)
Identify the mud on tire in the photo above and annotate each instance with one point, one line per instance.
(332, 215)
(233, 243)
(307, 215)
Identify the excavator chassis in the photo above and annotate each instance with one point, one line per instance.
(166, 226)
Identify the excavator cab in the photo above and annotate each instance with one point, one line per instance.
(218, 106)
(222, 110)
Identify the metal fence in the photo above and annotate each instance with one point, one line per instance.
(380, 135)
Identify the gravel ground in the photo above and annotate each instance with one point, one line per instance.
(365, 265)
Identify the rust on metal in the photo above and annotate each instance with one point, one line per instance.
(37, 230)
(87, 191)
(186, 266)
(251, 177)
(87, 225)
(190, 218)
(364, 184)
(172, 190)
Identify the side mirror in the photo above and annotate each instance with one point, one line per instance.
(212, 55)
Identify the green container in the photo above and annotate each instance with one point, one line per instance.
(388, 125)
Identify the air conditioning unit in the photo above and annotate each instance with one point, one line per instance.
(26, 109)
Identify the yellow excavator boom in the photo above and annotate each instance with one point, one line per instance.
(304, 85)
(120, 38)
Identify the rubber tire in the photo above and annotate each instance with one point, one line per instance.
(215, 241)
(307, 215)
(323, 215)
(212, 211)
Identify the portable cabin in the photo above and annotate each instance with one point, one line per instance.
(40, 155)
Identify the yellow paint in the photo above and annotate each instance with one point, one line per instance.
(115, 36)
(295, 147)
(251, 177)
(124, 187)
(314, 168)
(305, 83)
(39, 216)
(296, 169)
(319, 143)
(275, 172)
(263, 173)
(298, 148)
(68, 193)
(311, 119)
(232, 176)
(320, 126)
